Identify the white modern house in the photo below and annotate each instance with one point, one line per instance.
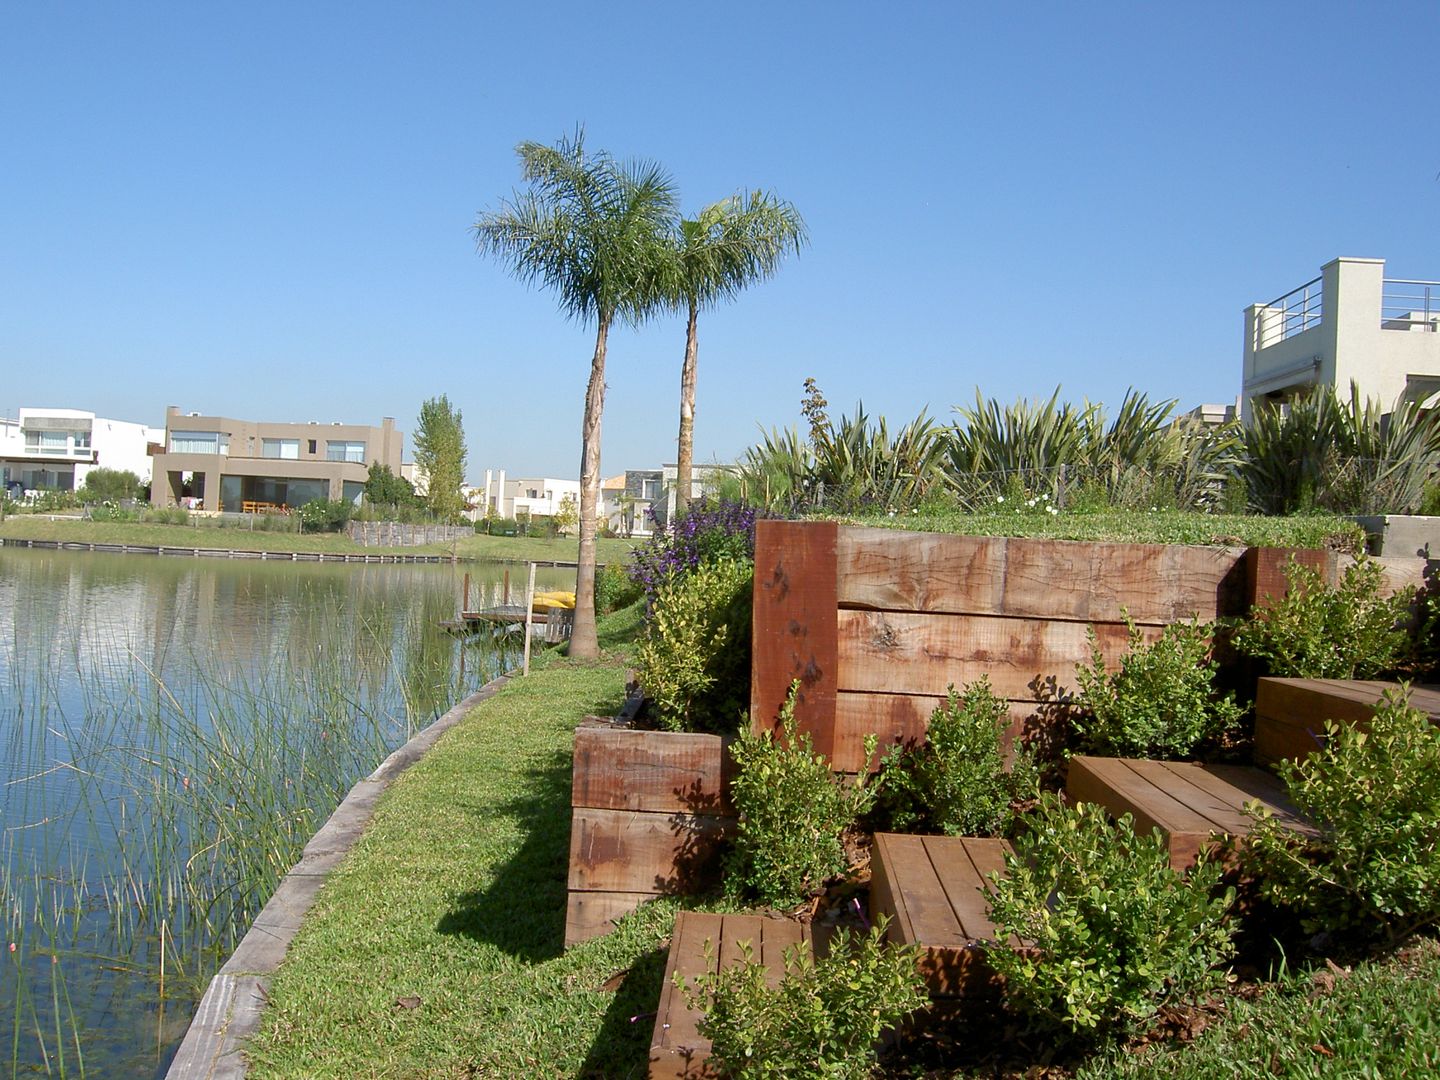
(1350, 323)
(54, 449)
(532, 497)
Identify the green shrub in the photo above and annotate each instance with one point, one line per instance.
(326, 515)
(793, 812)
(694, 658)
(614, 589)
(823, 1019)
(956, 781)
(1110, 932)
(167, 515)
(1374, 798)
(1161, 703)
(1348, 632)
(108, 485)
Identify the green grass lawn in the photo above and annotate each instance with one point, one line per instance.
(1131, 526)
(208, 535)
(436, 949)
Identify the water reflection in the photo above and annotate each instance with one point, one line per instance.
(171, 732)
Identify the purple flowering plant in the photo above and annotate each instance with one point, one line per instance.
(711, 531)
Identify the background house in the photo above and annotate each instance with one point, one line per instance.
(1350, 323)
(246, 465)
(54, 449)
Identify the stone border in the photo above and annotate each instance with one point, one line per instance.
(229, 1012)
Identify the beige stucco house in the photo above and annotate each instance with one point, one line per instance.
(240, 465)
(1351, 323)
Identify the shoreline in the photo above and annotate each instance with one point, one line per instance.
(229, 1010)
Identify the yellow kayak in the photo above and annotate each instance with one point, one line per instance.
(555, 598)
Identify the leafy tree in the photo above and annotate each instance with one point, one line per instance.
(440, 451)
(567, 515)
(384, 488)
(594, 230)
(109, 485)
(724, 248)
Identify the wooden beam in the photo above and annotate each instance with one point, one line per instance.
(794, 626)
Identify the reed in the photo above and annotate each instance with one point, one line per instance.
(155, 793)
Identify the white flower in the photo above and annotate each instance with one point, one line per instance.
(1051, 510)
(999, 498)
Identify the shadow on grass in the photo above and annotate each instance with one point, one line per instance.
(522, 911)
(621, 1048)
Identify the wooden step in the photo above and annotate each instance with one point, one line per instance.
(1290, 714)
(702, 943)
(935, 890)
(1193, 805)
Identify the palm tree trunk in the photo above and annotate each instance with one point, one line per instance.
(685, 451)
(583, 642)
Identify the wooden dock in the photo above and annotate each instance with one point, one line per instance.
(555, 624)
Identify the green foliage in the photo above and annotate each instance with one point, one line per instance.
(440, 454)
(326, 515)
(108, 485)
(1348, 632)
(1110, 932)
(1075, 457)
(383, 489)
(614, 589)
(1161, 703)
(823, 1020)
(848, 466)
(168, 515)
(567, 516)
(694, 660)
(1349, 457)
(956, 781)
(1374, 797)
(793, 812)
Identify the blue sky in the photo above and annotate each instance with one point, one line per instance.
(263, 209)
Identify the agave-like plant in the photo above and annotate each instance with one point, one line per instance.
(1349, 457)
(778, 472)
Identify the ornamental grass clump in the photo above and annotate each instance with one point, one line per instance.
(956, 782)
(1161, 703)
(1316, 632)
(1373, 798)
(793, 812)
(1107, 932)
(824, 1018)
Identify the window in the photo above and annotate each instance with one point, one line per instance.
(199, 442)
(649, 489)
(288, 449)
(47, 442)
(82, 442)
(311, 451)
(344, 450)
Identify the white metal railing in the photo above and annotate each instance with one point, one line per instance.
(1410, 305)
(1288, 315)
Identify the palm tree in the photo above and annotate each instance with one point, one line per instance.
(594, 230)
(727, 246)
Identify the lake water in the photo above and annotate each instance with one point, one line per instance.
(172, 731)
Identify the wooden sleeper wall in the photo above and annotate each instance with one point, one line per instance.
(649, 810)
(877, 623)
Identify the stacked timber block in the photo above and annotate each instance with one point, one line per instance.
(649, 810)
(702, 944)
(876, 624)
(1193, 806)
(1290, 714)
(935, 891)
